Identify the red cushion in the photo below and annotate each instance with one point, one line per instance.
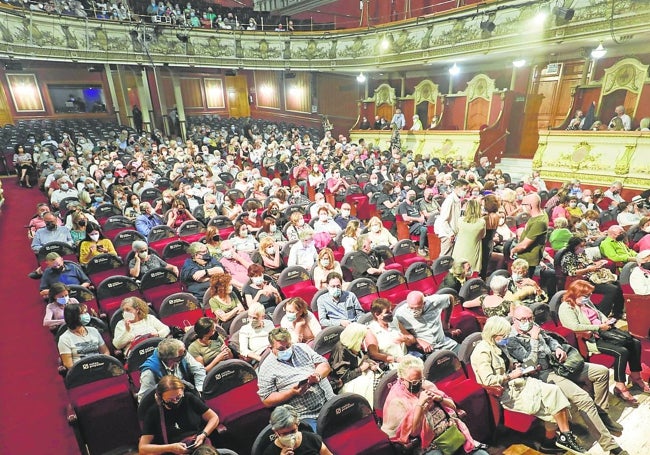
(184, 319)
(363, 437)
(517, 421)
(237, 403)
(86, 394)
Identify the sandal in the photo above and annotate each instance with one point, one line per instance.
(626, 396)
(641, 385)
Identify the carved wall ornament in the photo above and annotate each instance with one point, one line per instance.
(627, 74)
(481, 86)
(384, 94)
(426, 91)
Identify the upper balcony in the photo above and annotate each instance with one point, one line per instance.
(496, 31)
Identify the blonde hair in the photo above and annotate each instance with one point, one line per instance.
(375, 220)
(330, 255)
(409, 362)
(351, 228)
(295, 216)
(265, 243)
(256, 309)
(353, 335)
(495, 326)
(472, 211)
(560, 222)
(138, 305)
(519, 264)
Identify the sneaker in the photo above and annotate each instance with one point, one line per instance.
(569, 442)
(35, 275)
(423, 253)
(548, 446)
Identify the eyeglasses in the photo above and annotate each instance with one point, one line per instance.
(174, 400)
(529, 319)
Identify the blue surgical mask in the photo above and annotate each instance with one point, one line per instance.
(503, 342)
(62, 300)
(85, 318)
(335, 292)
(516, 277)
(291, 317)
(285, 355)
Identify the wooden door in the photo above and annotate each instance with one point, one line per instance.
(237, 90)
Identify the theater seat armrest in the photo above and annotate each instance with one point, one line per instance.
(71, 415)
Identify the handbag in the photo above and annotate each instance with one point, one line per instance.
(450, 440)
(615, 336)
(601, 276)
(572, 365)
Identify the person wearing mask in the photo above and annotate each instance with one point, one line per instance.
(324, 223)
(299, 321)
(533, 238)
(209, 349)
(147, 220)
(337, 307)
(257, 290)
(51, 232)
(446, 224)
(254, 336)
(520, 392)
(170, 358)
(523, 289)
(60, 271)
(640, 276)
(614, 248)
(281, 376)
(460, 271)
(58, 298)
(303, 252)
(415, 220)
(296, 225)
(398, 121)
(387, 339)
(243, 240)
(289, 439)
(325, 265)
(143, 261)
(80, 340)
(421, 316)
(198, 268)
(94, 245)
(136, 324)
(236, 263)
(530, 345)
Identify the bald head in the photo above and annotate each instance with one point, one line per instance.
(522, 311)
(415, 300)
(533, 201)
(615, 231)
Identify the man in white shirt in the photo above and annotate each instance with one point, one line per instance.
(303, 253)
(625, 119)
(446, 224)
(398, 120)
(66, 189)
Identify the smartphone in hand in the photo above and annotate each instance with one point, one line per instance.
(303, 382)
(528, 370)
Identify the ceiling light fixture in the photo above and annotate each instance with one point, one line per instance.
(361, 78)
(454, 70)
(519, 62)
(599, 52)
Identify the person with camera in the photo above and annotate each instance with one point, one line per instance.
(178, 423)
(530, 345)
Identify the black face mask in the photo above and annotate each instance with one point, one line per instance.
(646, 265)
(206, 257)
(170, 405)
(82, 223)
(620, 237)
(414, 388)
(388, 317)
(50, 226)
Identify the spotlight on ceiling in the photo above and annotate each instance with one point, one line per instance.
(488, 26)
(599, 52)
(566, 14)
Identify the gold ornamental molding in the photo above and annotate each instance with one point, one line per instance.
(384, 94)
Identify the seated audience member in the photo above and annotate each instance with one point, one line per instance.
(224, 302)
(37, 222)
(337, 307)
(208, 349)
(208, 210)
(170, 358)
(252, 220)
(574, 262)
(236, 263)
(324, 223)
(387, 338)
(60, 271)
(280, 374)
(640, 276)
(268, 256)
(147, 220)
(58, 298)
(80, 340)
(560, 234)
(352, 370)
(95, 244)
(52, 232)
(522, 393)
(212, 241)
(143, 262)
(579, 314)
(415, 219)
(253, 337)
(319, 202)
(420, 316)
(289, 439)
(344, 218)
(375, 258)
(136, 324)
(461, 271)
(494, 304)
(351, 236)
(257, 290)
(378, 234)
(628, 214)
(243, 241)
(613, 247)
(184, 416)
(324, 266)
(303, 252)
(523, 289)
(415, 407)
(270, 229)
(296, 225)
(299, 321)
(636, 233)
(78, 229)
(529, 345)
(178, 214)
(198, 268)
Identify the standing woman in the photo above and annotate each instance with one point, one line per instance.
(176, 417)
(471, 231)
(95, 245)
(24, 165)
(491, 206)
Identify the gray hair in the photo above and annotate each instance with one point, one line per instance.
(170, 348)
(256, 309)
(495, 326)
(498, 283)
(194, 248)
(283, 417)
(408, 362)
(279, 334)
(560, 222)
(139, 245)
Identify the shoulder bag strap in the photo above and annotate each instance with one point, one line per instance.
(163, 426)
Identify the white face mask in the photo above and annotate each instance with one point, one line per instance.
(257, 280)
(128, 316)
(325, 262)
(345, 213)
(94, 237)
(270, 250)
(375, 228)
(322, 218)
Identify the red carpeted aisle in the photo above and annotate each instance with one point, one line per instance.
(33, 398)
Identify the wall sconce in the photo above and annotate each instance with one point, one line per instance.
(599, 52)
(454, 70)
(519, 62)
(361, 78)
(488, 26)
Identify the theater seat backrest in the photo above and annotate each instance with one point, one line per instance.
(327, 339)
